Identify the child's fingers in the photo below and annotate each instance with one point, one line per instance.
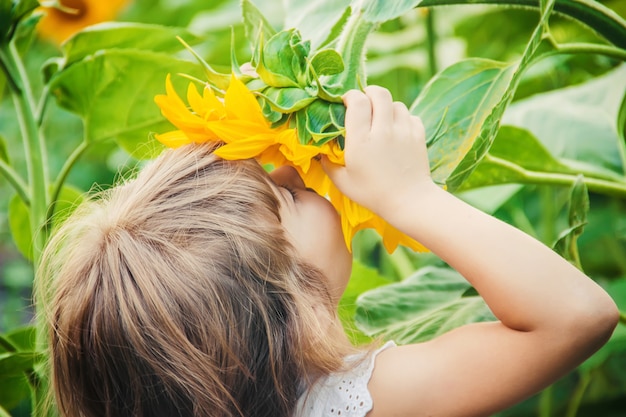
(358, 115)
(382, 108)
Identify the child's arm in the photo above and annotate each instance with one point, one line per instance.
(551, 316)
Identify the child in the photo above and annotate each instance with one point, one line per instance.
(208, 288)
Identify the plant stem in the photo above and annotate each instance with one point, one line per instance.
(65, 170)
(595, 15)
(15, 180)
(545, 402)
(351, 46)
(601, 186)
(34, 146)
(585, 48)
(622, 317)
(431, 41)
(577, 396)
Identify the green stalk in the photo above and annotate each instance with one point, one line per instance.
(65, 170)
(622, 317)
(606, 187)
(583, 48)
(577, 396)
(598, 17)
(34, 146)
(545, 402)
(431, 41)
(351, 46)
(37, 168)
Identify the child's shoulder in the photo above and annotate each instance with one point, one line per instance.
(343, 393)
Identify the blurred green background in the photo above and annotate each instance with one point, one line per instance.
(402, 56)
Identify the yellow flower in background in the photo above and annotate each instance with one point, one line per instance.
(238, 121)
(74, 15)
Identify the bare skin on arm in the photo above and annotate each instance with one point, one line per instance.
(551, 316)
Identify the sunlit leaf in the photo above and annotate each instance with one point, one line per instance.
(113, 91)
(462, 106)
(255, 24)
(315, 19)
(125, 35)
(423, 306)
(362, 279)
(327, 62)
(578, 123)
(382, 11)
(513, 154)
(13, 390)
(464, 95)
(286, 100)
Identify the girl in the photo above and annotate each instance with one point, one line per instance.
(207, 288)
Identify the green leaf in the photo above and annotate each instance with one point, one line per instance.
(423, 306)
(19, 217)
(592, 13)
(4, 151)
(513, 152)
(315, 19)
(125, 35)
(467, 100)
(19, 224)
(255, 24)
(566, 245)
(318, 122)
(13, 390)
(379, 11)
(15, 363)
(113, 91)
(327, 62)
(362, 279)
(5, 20)
(275, 65)
(578, 123)
(465, 94)
(286, 100)
(22, 339)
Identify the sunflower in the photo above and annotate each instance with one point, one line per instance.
(59, 23)
(238, 121)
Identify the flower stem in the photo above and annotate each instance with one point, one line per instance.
(65, 170)
(351, 46)
(34, 146)
(583, 48)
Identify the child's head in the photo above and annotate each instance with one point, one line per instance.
(179, 293)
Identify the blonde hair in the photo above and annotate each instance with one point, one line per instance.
(178, 294)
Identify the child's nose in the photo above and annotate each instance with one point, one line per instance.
(287, 175)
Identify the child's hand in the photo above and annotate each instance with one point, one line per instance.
(385, 152)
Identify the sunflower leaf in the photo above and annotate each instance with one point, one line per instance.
(327, 62)
(255, 24)
(286, 100)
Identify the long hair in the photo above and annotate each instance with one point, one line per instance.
(178, 294)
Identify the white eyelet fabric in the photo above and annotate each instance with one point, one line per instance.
(342, 394)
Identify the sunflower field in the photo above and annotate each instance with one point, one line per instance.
(524, 104)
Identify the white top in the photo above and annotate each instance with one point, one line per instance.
(341, 394)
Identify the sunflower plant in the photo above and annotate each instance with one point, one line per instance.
(288, 110)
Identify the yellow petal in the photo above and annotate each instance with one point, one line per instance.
(241, 103)
(173, 139)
